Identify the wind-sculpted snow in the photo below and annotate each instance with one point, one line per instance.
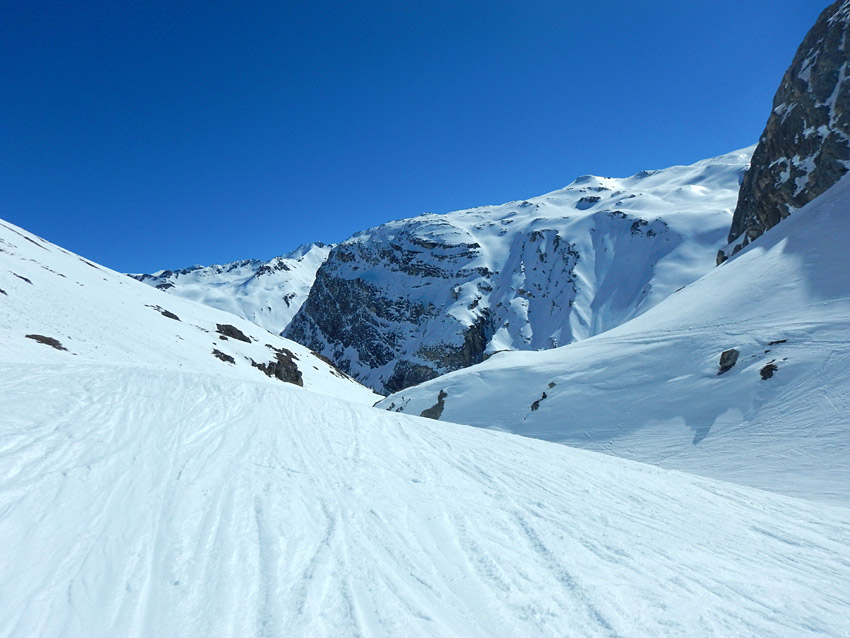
(404, 302)
(652, 389)
(269, 293)
(141, 502)
(57, 307)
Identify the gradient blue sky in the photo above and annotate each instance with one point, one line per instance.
(148, 135)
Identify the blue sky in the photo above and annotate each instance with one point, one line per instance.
(148, 135)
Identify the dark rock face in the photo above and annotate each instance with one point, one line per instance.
(536, 405)
(805, 147)
(48, 341)
(283, 368)
(218, 354)
(165, 313)
(767, 371)
(357, 315)
(728, 358)
(226, 330)
(379, 309)
(436, 410)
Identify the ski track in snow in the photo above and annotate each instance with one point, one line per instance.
(136, 502)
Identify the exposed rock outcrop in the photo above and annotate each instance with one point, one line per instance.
(436, 410)
(805, 147)
(283, 368)
(728, 359)
(48, 341)
(227, 330)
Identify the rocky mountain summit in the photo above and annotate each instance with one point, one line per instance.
(269, 293)
(805, 147)
(407, 301)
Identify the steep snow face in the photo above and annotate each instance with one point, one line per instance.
(56, 307)
(805, 147)
(161, 503)
(651, 389)
(404, 302)
(268, 293)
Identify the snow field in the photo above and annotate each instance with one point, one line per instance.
(141, 502)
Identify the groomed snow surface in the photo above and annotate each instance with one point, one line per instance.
(138, 502)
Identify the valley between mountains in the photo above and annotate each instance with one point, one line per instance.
(616, 409)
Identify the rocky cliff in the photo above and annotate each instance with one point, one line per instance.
(407, 301)
(805, 147)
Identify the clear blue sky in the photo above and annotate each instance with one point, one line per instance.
(148, 135)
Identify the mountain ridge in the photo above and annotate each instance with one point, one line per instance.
(403, 302)
(268, 293)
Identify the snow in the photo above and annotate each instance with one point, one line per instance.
(145, 502)
(267, 293)
(101, 316)
(649, 389)
(148, 488)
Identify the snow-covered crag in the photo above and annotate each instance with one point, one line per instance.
(269, 293)
(805, 147)
(407, 301)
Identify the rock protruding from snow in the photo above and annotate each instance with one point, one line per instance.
(269, 293)
(62, 309)
(402, 303)
(728, 358)
(805, 147)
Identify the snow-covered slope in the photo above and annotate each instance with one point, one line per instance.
(269, 293)
(401, 303)
(56, 307)
(650, 389)
(142, 503)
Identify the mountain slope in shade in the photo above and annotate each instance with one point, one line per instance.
(269, 293)
(59, 308)
(143, 502)
(404, 302)
(651, 390)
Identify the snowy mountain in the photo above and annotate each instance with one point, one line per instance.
(655, 389)
(170, 469)
(269, 293)
(150, 488)
(407, 301)
(179, 501)
(805, 147)
(58, 308)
